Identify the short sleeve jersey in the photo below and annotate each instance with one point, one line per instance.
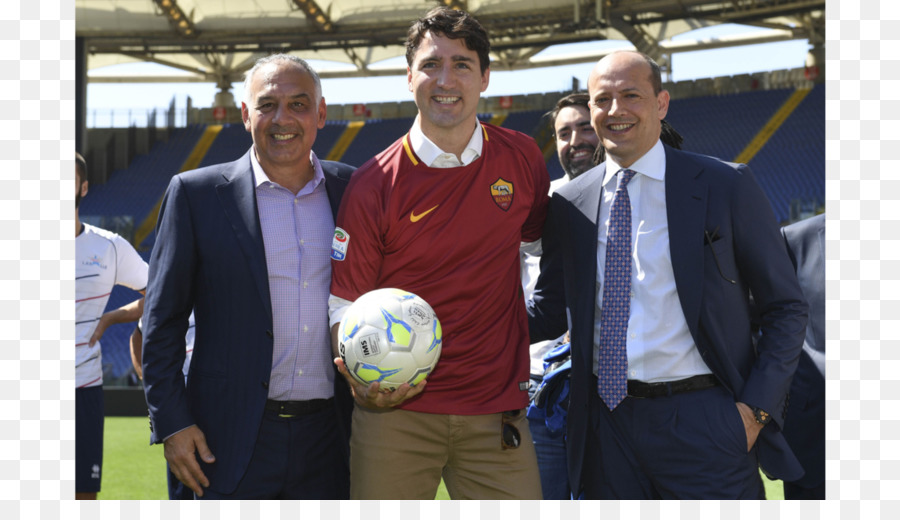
(452, 236)
(103, 260)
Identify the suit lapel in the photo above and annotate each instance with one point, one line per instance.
(332, 188)
(238, 197)
(587, 203)
(686, 202)
(587, 211)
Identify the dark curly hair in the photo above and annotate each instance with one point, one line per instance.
(453, 24)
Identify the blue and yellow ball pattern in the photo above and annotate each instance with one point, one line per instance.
(390, 336)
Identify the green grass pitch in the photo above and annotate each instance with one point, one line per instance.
(134, 470)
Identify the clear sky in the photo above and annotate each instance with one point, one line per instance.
(119, 98)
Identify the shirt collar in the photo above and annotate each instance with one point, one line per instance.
(429, 152)
(260, 176)
(652, 164)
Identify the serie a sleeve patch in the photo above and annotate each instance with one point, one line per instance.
(339, 244)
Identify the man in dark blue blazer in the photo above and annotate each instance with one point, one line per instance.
(804, 426)
(701, 409)
(247, 245)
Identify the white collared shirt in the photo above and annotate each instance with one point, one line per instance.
(434, 157)
(659, 345)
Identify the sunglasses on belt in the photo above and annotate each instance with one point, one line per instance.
(510, 438)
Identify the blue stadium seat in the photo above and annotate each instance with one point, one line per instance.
(375, 136)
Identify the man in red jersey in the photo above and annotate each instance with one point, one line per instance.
(442, 213)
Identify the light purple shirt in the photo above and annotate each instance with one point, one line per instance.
(297, 232)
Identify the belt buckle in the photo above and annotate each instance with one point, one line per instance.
(281, 413)
(629, 394)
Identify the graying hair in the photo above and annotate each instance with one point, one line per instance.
(300, 62)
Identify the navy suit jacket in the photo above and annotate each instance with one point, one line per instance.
(712, 280)
(804, 426)
(209, 256)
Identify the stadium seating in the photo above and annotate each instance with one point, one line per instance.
(791, 166)
(722, 126)
(375, 136)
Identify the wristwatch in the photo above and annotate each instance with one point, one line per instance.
(762, 416)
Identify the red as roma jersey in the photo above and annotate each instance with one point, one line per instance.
(452, 236)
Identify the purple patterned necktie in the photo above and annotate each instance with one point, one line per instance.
(612, 368)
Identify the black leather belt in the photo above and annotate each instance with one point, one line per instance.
(288, 408)
(647, 390)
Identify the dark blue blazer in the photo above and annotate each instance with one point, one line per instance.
(209, 256)
(702, 194)
(804, 426)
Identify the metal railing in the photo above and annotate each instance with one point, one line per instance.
(141, 118)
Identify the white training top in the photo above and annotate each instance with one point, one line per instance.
(103, 260)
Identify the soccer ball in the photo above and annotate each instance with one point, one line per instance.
(391, 336)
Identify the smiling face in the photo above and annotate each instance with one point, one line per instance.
(283, 113)
(625, 110)
(445, 78)
(575, 139)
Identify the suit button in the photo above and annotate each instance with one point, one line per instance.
(265, 384)
(269, 333)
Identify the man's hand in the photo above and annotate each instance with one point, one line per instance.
(105, 321)
(179, 450)
(751, 427)
(372, 396)
(124, 314)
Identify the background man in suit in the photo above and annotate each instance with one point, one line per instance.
(700, 408)
(246, 245)
(804, 425)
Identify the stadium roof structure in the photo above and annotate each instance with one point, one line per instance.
(218, 40)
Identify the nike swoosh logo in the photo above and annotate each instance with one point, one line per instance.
(415, 218)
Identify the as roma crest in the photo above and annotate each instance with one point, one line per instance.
(502, 192)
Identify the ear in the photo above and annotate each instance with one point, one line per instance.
(245, 115)
(485, 79)
(662, 101)
(409, 84)
(84, 187)
(323, 112)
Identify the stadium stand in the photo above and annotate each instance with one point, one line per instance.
(127, 190)
(375, 136)
(325, 139)
(791, 166)
(231, 143)
(722, 126)
(528, 122)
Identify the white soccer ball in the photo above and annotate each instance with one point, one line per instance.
(391, 336)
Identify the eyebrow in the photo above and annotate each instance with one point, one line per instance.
(455, 57)
(577, 124)
(626, 89)
(302, 95)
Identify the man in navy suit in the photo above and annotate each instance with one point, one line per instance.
(804, 426)
(700, 408)
(247, 245)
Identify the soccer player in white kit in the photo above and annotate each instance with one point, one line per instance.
(102, 260)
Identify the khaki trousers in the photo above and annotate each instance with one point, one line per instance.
(398, 454)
